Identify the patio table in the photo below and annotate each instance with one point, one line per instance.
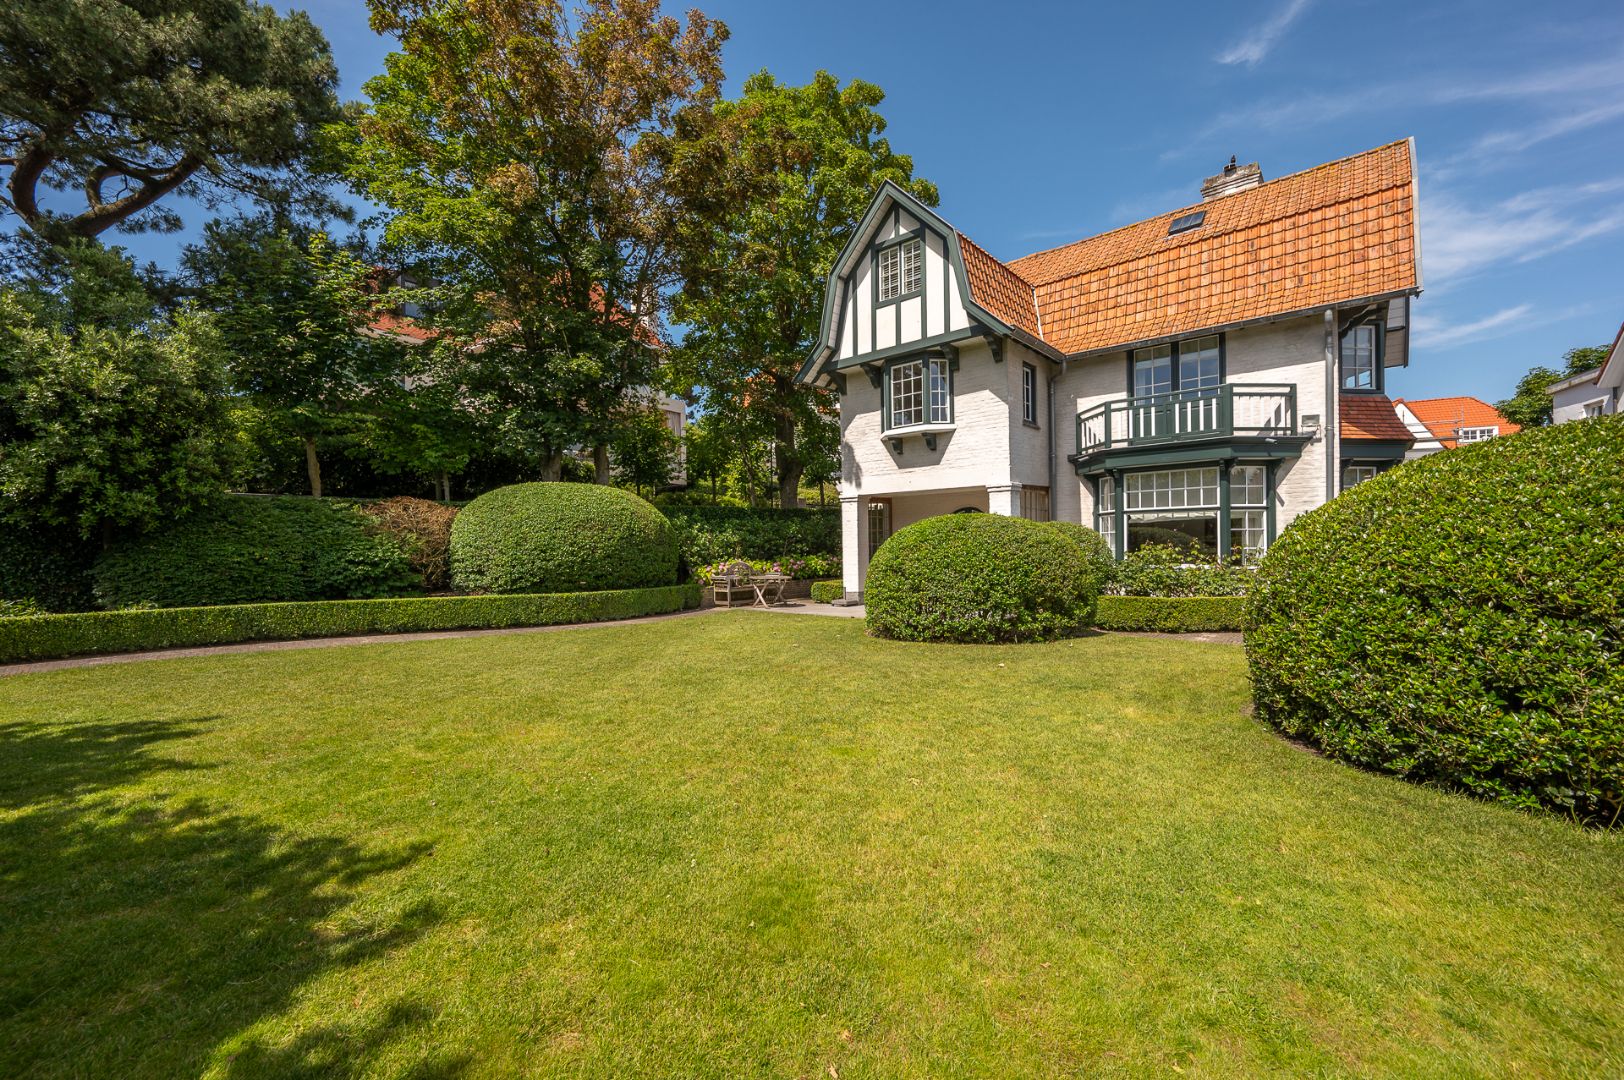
(769, 588)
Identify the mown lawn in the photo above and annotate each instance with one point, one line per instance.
(753, 844)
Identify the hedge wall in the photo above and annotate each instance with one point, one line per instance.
(708, 534)
(50, 637)
(46, 570)
(827, 592)
(1170, 614)
(246, 549)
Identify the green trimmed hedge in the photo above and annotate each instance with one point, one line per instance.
(1460, 620)
(711, 534)
(51, 637)
(827, 592)
(552, 538)
(1170, 614)
(980, 578)
(245, 549)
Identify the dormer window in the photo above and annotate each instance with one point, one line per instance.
(1360, 362)
(902, 270)
(1477, 434)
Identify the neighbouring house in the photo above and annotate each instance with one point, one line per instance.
(1445, 423)
(1200, 378)
(1597, 392)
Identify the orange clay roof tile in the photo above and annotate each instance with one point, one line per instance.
(1445, 416)
(1337, 232)
(1370, 416)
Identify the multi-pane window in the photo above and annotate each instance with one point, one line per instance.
(1592, 410)
(1248, 511)
(1153, 371)
(1198, 363)
(1029, 393)
(1183, 509)
(1035, 503)
(1105, 512)
(902, 269)
(920, 393)
(1354, 475)
(879, 525)
(1359, 357)
(1477, 434)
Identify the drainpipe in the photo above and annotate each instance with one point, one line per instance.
(1331, 422)
(1054, 490)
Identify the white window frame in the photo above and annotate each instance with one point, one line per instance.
(901, 271)
(925, 389)
(1477, 433)
(1361, 473)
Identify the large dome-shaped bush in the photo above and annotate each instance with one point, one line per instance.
(980, 577)
(1461, 620)
(541, 538)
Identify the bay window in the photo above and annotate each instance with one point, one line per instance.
(920, 392)
(1185, 509)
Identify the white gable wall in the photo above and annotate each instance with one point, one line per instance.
(867, 327)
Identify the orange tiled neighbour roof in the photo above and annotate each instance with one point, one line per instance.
(1335, 233)
(1370, 416)
(1446, 415)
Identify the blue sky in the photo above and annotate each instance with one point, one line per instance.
(1045, 123)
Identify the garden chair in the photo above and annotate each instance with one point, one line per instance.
(733, 582)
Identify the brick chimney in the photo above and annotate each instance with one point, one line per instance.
(1234, 178)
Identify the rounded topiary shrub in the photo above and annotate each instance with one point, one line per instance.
(1096, 552)
(541, 538)
(979, 578)
(244, 549)
(1461, 620)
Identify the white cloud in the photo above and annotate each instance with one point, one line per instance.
(1459, 240)
(1251, 49)
(1434, 333)
(1441, 335)
(1499, 145)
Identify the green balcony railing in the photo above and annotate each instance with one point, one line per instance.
(1220, 412)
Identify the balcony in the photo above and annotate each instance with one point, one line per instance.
(1235, 412)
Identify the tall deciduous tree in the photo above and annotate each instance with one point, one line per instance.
(522, 149)
(127, 101)
(111, 416)
(782, 175)
(291, 309)
(1530, 404)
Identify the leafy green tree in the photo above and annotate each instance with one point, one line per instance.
(785, 173)
(291, 310)
(128, 101)
(421, 426)
(644, 450)
(522, 151)
(1530, 403)
(708, 450)
(111, 417)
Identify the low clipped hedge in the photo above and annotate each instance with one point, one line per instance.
(247, 549)
(1170, 614)
(1460, 620)
(51, 637)
(710, 534)
(827, 592)
(980, 578)
(557, 537)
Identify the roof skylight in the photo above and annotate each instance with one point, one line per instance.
(1186, 222)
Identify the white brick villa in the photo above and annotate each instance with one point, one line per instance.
(1201, 377)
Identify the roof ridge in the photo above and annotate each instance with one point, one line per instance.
(1195, 234)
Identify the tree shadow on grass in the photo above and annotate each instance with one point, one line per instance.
(142, 931)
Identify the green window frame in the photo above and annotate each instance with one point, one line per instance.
(899, 269)
(916, 391)
(1359, 358)
(1236, 498)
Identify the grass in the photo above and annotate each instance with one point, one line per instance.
(753, 844)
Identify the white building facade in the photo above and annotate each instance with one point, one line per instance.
(1598, 392)
(1198, 379)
